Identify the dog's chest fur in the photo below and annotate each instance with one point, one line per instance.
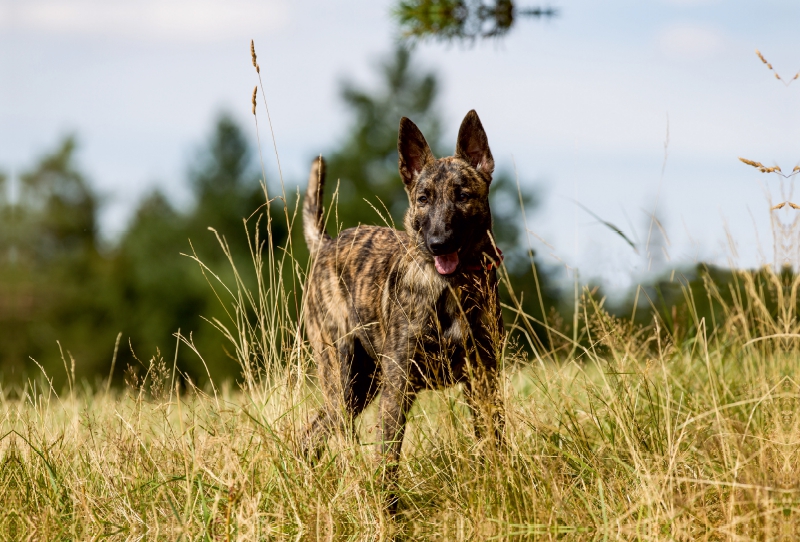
(445, 312)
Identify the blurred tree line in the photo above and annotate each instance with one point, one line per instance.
(64, 299)
(702, 296)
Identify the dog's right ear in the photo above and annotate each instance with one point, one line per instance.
(414, 152)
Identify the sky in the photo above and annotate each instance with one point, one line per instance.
(624, 107)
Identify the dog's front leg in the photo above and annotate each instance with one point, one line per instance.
(481, 388)
(397, 396)
(485, 403)
(395, 402)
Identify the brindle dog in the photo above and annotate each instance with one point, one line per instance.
(398, 312)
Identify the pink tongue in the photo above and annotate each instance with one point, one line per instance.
(446, 264)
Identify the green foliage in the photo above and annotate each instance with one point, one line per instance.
(460, 19)
(159, 291)
(55, 285)
(227, 190)
(53, 281)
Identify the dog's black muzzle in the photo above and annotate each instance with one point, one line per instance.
(439, 245)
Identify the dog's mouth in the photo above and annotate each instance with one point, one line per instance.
(446, 263)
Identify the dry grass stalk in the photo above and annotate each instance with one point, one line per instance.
(778, 77)
(764, 169)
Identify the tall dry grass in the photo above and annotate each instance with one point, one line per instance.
(628, 433)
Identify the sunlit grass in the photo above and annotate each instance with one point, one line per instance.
(630, 436)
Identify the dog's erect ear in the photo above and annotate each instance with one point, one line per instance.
(414, 152)
(473, 145)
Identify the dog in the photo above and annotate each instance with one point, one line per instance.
(396, 312)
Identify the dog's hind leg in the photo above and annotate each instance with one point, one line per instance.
(359, 382)
(347, 381)
(324, 421)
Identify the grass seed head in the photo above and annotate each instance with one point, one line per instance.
(779, 206)
(770, 68)
(794, 205)
(751, 163)
(253, 53)
(255, 92)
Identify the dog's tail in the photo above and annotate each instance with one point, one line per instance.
(313, 225)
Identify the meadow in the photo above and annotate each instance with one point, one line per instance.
(614, 430)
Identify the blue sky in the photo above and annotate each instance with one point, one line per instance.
(581, 105)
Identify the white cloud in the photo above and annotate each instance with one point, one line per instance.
(691, 41)
(182, 20)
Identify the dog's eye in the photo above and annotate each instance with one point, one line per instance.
(463, 196)
(422, 199)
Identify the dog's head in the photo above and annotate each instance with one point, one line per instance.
(448, 213)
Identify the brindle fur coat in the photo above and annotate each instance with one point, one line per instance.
(397, 312)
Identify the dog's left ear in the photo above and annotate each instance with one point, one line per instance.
(473, 145)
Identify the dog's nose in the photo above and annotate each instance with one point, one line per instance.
(439, 244)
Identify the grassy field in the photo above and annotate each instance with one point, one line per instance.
(613, 431)
(627, 433)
